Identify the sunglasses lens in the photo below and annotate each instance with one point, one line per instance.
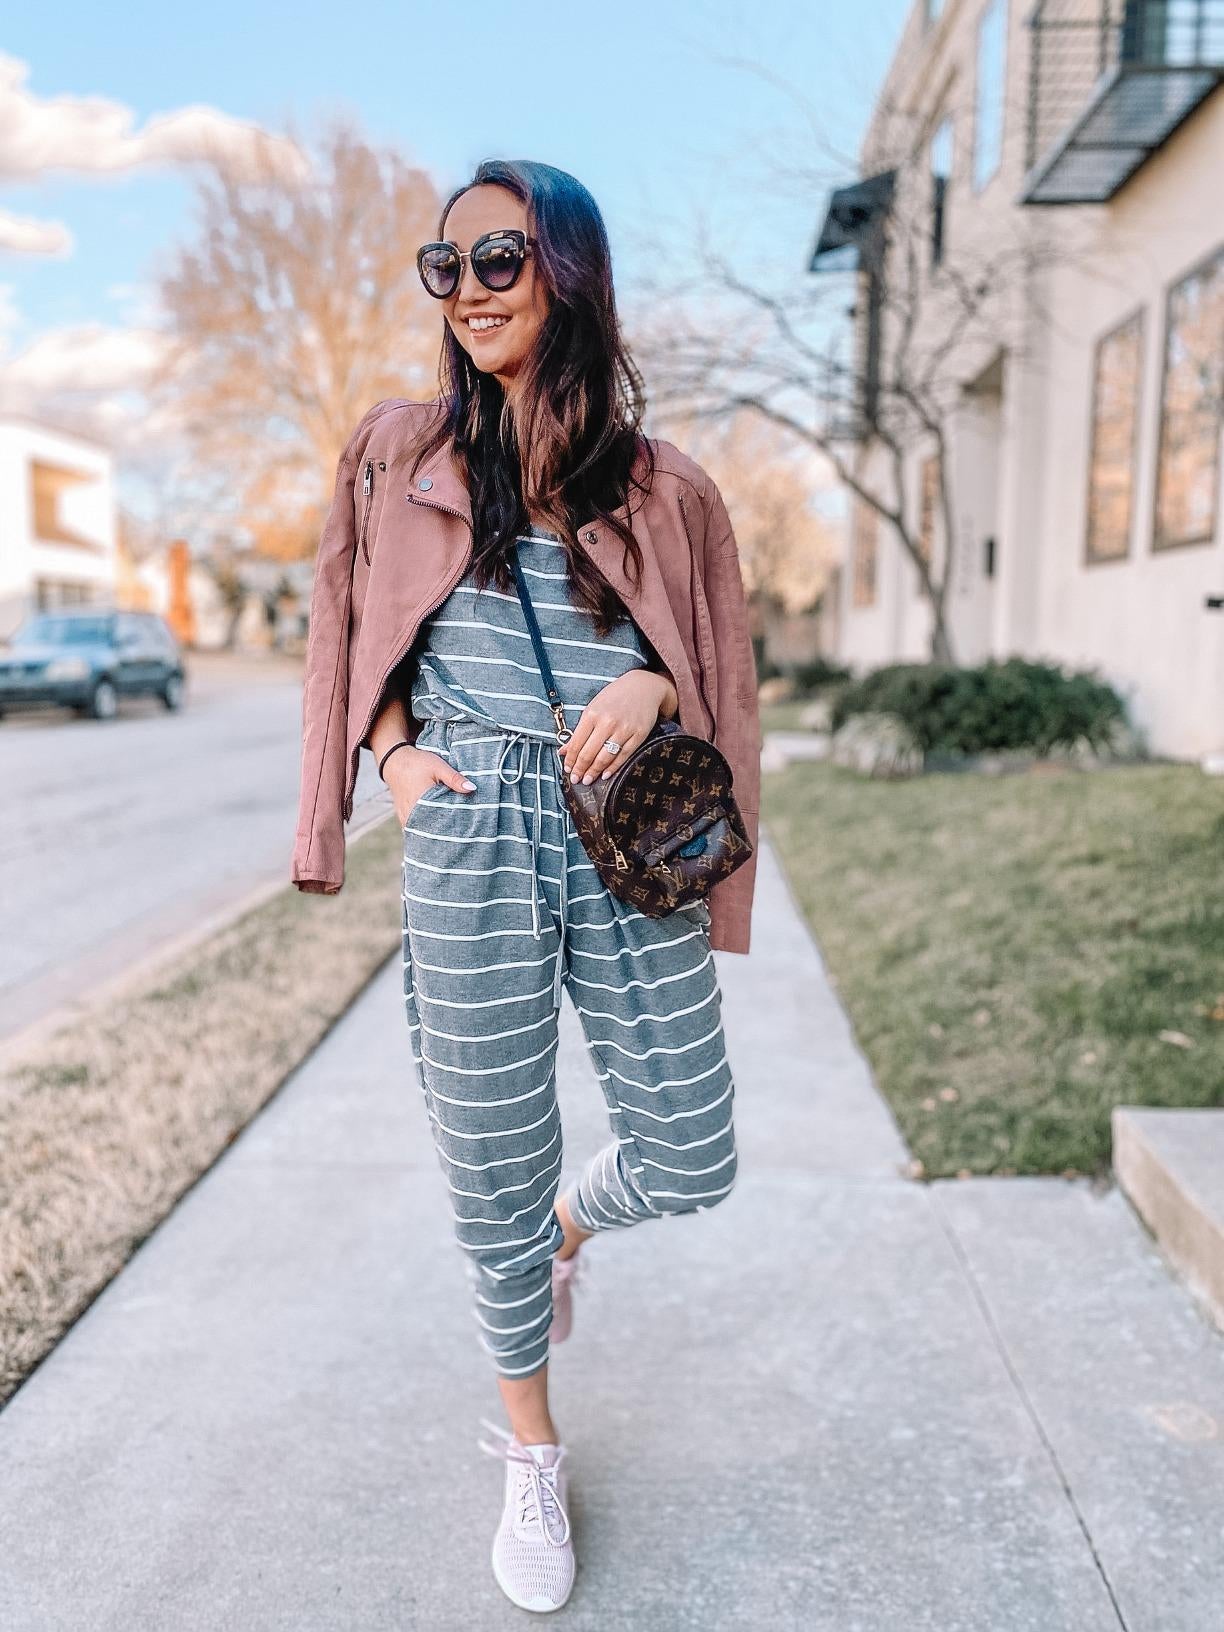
(497, 263)
(439, 269)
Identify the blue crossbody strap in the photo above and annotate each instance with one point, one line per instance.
(541, 656)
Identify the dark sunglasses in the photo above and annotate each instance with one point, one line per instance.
(497, 259)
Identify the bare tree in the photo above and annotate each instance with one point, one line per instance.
(920, 332)
(295, 306)
(786, 546)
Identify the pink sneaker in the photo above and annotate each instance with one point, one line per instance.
(533, 1550)
(566, 1275)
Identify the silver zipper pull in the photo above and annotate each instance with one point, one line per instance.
(369, 477)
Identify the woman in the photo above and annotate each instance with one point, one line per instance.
(502, 906)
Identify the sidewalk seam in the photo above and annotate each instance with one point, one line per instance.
(1026, 1400)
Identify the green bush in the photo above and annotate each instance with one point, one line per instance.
(995, 706)
(766, 668)
(816, 675)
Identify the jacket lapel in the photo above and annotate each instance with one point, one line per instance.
(438, 482)
(601, 544)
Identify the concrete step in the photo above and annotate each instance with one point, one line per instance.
(1171, 1166)
(779, 748)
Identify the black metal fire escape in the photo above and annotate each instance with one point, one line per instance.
(852, 237)
(1109, 83)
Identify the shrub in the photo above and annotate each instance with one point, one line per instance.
(997, 705)
(816, 675)
(877, 745)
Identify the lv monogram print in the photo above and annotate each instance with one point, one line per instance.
(665, 827)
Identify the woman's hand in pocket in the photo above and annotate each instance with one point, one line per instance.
(410, 771)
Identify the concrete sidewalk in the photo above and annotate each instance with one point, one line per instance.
(842, 1400)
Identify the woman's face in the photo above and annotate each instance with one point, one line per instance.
(502, 349)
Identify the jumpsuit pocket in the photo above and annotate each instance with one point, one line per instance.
(421, 799)
(697, 912)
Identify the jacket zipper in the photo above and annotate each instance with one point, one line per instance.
(368, 489)
(431, 504)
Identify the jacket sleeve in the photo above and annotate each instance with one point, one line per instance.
(318, 852)
(736, 712)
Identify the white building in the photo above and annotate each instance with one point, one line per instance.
(58, 532)
(1073, 151)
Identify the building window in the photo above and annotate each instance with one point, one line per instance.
(941, 174)
(989, 92)
(51, 489)
(866, 550)
(928, 500)
(1191, 409)
(1115, 426)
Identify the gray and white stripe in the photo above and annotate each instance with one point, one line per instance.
(498, 894)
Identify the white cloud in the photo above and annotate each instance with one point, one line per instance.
(85, 357)
(137, 304)
(24, 235)
(94, 135)
(97, 136)
(10, 316)
(95, 370)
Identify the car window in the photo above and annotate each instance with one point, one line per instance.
(129, 631)
(157, 633)
(60, 630)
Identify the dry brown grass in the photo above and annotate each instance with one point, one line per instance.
(104, 1124)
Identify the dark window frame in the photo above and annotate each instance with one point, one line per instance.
(1136, 315)
(941, 186)
(1157, 545)
(928, 512)
(864, 515)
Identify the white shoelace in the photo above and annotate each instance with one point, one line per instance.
(539, 1502)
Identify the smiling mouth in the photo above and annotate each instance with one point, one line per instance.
(479, 334)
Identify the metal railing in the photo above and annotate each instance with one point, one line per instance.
(1077, 47)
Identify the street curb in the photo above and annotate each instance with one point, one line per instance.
(144, 972)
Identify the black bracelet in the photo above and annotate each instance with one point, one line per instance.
(403, 743)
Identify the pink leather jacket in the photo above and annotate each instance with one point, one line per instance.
(389, 555)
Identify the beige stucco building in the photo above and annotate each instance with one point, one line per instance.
(58, 531)
(1038, 237)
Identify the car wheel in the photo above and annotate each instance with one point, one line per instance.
(172, 691)
(103, 701)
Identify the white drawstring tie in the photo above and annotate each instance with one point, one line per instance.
(525, 742)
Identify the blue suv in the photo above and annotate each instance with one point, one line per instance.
(87, 659)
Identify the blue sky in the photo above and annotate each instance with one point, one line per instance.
(641, 101)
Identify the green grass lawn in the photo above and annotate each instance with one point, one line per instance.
(1018, 953)
(783, 716)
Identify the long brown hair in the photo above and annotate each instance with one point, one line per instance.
(566, 450)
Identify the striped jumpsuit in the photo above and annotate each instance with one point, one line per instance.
(501, 908)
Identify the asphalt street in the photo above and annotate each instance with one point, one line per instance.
(118, 836)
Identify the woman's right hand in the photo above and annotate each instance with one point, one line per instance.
(411, 770)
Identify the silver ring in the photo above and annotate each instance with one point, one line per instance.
(612, 746)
